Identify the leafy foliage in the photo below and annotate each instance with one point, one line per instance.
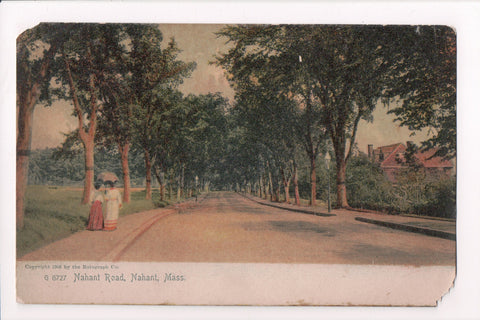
(414, 192)
(367, 185)
(424, 78)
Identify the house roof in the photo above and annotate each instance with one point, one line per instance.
(436, 162)
(394, 152)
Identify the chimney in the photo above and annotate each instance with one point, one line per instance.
(370, 152)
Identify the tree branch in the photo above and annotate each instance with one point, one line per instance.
(76, 104)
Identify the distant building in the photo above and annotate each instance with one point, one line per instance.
(392, 160)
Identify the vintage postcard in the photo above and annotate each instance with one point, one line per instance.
(236, 164)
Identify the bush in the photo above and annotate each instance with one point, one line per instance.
(367, 186)
(441, 199)
(413, 192)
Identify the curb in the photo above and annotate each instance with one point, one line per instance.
(291, 209)
(392, 225)
(125, 243)
(403, 227)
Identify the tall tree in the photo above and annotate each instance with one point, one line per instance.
(270, 122)
(262, 68)
(165, 129)
(204, 131)
(153, 69)
(88, 67)
(36, 49)
(115, 126)
(345, 65)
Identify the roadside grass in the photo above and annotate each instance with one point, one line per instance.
(53, 213)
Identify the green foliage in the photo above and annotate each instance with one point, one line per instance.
(202, 134)
(270, 106)
(45, 169)
(334, 76)
(441, 197)
(55, 167)
(36, 49)
(424, 78)
(417, 193)
(367, 185)
(414, 192)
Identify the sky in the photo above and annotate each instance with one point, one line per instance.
(200, 44)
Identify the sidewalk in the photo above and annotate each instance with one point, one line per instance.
(440, 228)
(104, 245)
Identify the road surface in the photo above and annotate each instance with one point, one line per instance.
(226, 227)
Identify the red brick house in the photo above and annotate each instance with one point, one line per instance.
(391, 160)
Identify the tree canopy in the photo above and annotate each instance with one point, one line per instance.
(337, 75)
(424, 80)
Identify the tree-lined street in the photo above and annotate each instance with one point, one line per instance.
(300, 94)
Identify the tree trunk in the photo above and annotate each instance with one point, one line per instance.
(89, 174)
(179, 189)
(266, 189)
(341, 188)
(179, 185)
(260, 189)
(295, 183)
(313, 181)
(148, 176)
(277, 192)
(24, 138)
(87, 137)
(126, 171)
(182, 181)
(286, 185)
(270, 185)
(287, 191)
(27, 99)
(161, 182)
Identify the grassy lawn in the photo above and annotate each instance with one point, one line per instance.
(53, 213)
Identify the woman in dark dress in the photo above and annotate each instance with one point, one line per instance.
(95, 219)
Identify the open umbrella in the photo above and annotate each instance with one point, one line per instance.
(107, 176)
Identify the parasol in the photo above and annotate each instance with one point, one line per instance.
(107, 176)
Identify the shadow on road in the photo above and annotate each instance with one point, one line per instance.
(289, 227)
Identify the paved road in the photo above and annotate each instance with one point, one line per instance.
(229, 228)
(226, 227)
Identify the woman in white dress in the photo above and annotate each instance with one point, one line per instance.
(113, 202)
